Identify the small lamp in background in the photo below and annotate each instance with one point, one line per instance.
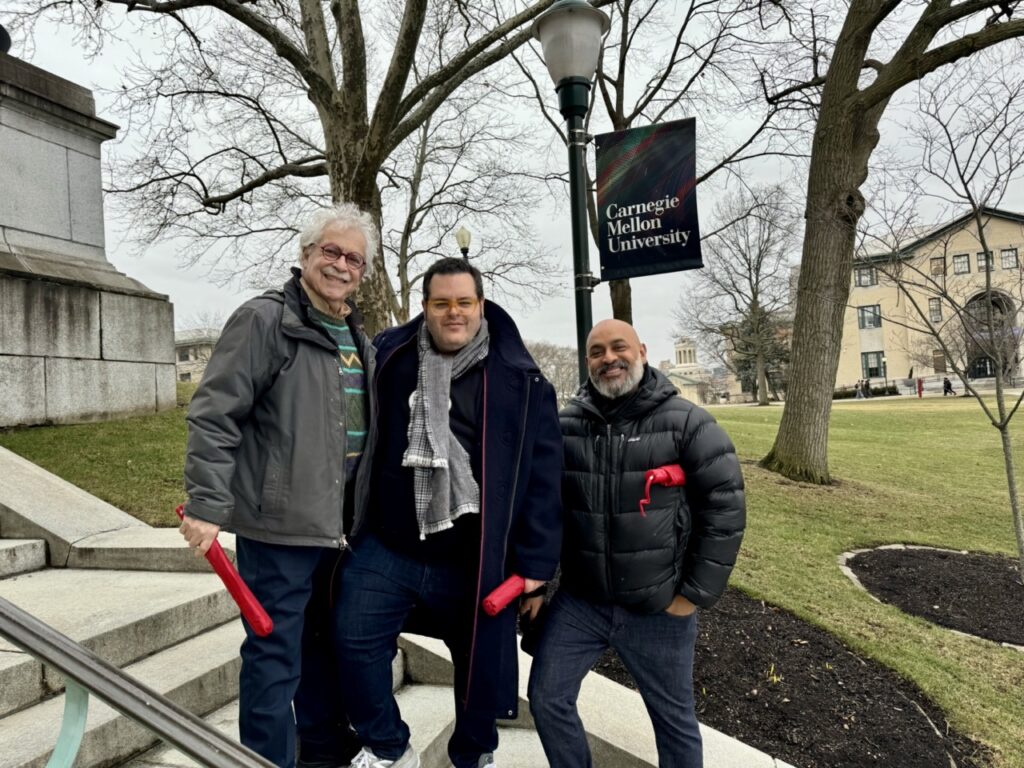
(463, 237)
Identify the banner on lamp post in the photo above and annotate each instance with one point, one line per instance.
(647, 200)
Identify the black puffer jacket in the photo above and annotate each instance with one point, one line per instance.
(688, 541)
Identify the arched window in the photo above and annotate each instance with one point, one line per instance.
(990, 334)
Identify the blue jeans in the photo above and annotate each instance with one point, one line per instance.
(657, 649)
(295, 661)
(379, 588)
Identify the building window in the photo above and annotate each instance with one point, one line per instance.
(961, 264)
(984, 262)
(871, 365)
(938, 361)
(185, 377)
(869, 317)
(1009, 258)
(866, 276)
(938, 265)
(183, 355)
(935, 310)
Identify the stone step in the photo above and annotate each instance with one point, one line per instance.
(120, 616)
(430, 712)
(519, 748)
(82, 531)
(21, 556)
(200, 674)
(225, 720)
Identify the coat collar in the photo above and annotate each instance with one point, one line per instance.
(654, 389)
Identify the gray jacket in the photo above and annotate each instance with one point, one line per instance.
(266, 427)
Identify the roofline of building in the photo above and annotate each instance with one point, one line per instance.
(907, 250)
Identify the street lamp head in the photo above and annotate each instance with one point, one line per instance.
(570, 32)
(463, 237)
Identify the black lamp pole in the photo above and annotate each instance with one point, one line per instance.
(571, 32)
(573, 97)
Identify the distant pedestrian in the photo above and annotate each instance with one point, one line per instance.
(859, 390)
(947, 387)
(866, 388)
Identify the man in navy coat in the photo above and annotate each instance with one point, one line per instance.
(464, 492)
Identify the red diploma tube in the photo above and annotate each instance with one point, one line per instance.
(249, 606)
(506, 592)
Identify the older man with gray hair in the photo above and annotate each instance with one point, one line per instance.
(276, 432)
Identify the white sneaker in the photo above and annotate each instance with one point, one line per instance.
(486, 761)
(366, 759)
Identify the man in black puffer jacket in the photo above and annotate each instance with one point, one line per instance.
(633, 577)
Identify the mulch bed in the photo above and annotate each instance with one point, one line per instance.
(795, 692)
(974, 593)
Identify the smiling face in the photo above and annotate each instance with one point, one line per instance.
(452, 311)
(615, 358)
(334, 281)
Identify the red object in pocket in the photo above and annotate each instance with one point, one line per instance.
(249, 606)
(505, 593)
(669, 475)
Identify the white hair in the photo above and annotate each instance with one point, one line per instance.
(348, 216)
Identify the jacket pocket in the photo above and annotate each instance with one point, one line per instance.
(270, 493)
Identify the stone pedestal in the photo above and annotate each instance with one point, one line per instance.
(79, 341)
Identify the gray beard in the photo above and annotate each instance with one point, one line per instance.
(624, 386)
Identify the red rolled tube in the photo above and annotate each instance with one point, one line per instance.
(505, 593)
(248, 605)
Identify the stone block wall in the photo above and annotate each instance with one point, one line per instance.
(79, 341)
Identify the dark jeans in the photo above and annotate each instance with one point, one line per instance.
(296, 661)
(657, 649)
(379, 588)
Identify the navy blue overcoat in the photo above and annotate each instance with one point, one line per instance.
(521, 511)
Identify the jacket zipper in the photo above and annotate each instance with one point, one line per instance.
(610, 448)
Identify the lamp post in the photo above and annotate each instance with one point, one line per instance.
(885, 376)
(463, 237)
(570, 32)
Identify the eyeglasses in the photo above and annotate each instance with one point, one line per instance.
(333, 253)
(443, 306)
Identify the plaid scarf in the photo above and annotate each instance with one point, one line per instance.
(443, 483)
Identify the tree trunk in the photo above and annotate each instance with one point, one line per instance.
(622, 300)
(372, 297)
(844, 138)
(1011, 487)
(834, 206)
(762, 379)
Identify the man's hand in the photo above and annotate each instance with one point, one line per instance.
(199, 534)
(531, 605)
(681, 607)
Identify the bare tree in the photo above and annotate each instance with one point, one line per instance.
(659, 64)
(740, 299)
(465, 166)
(847, 82)
(559, 365)
(252, 106)
(971, 132)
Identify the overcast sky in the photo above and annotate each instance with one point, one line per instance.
(194, 295)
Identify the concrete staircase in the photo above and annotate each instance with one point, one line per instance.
(427, 708)
(137, 598)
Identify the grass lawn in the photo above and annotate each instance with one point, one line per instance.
(916, 471)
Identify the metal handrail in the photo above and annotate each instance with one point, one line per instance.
(175, 725)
